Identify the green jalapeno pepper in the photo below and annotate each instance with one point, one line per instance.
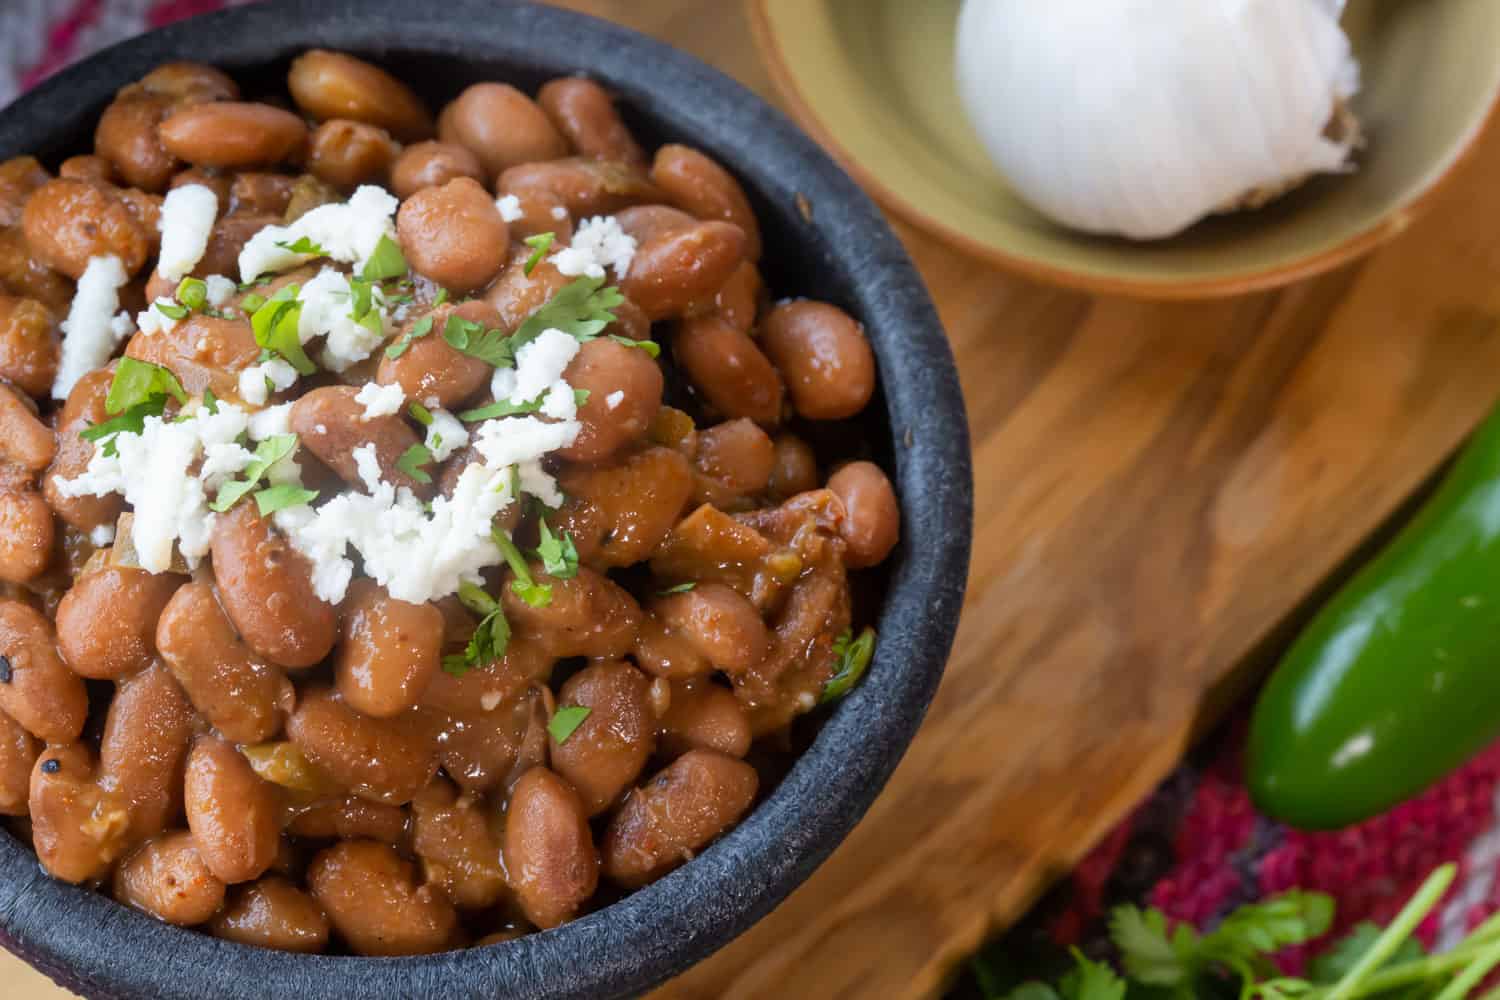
(1397, 680)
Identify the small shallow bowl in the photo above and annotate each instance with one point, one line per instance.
(823, 238)
(873, 79)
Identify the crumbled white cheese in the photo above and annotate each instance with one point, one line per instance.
(515, 440)
(270, 422)
(102, 535)
(445, 435)
(220, 290)
(560, 403)
(559, 213)
(502, 383)
(328, 311)
(510, 208)
(380, 400)
(122, 326)
(258, 381)
(321, 428)
(154, 471)
(541, 363)
(599, 243)
(614, 399)
(90, 334)
(187, 220)
(154, 321)
(348, 231)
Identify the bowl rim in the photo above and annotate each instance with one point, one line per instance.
(99, 948)
(1373, 236)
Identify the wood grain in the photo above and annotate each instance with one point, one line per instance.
(1158, 487)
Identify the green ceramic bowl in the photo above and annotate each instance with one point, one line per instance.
(873, 79)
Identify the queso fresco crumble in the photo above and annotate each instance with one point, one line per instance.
(452, 525)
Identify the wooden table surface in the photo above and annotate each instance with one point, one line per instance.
(1159, 488)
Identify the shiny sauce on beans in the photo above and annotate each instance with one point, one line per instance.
(434, 497)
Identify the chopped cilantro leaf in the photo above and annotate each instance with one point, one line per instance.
(490, 637)
(420, 414)
(274, 498)
(582, 309)
(137, 381)
(193, 293)
(468, 337)
(250, 303)
(853, 658)
(419, 330)
(683, 588)
(385, 263)
(565, 722)
(540, 244)
(651, 347)
(132, 421)
(276, 324)
(502, 408)
(442, 296)
(412, 460)
(558, 554)
(171, 310)
(304, 245)
(267, 453)
(538, 595)
(210, 402)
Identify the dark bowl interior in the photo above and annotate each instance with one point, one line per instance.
(823, 239)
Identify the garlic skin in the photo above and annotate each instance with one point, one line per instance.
(1141, 117)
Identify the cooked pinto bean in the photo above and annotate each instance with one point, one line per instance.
(585, 114)
(590, 615)
(127, 138)
(244, 697)
(729, 370)
(84, 406)
(347, 154)
(723, 625)
(333, 85)
(738, 302)
(257, 193)
(227, 240)
(146, 738)
(454, 837)
(24, 439)
(502, 126)
(624, 386)
(872, 525)
(168, 878)
(78, 830)
(70, 222)
(738, 457)
(87, 168)
(350, 819)
(29, 345)
(388, 652)
(678, 273)
(585, 187)
(232, 135)
(235, 817)
(432, 164)
(266, 588)
(273, 913)
(704, 716)
(541, 212)
(332, 424)
(698, 185)
(26, 535)
(107, 621)
(432, 368)
(24, 275)
(824, 356)
(38, 689)
(665, 654)
(618, 514)
(489, 685)
(204, 352)
(515, 295)
(375, 903)
(795, 469)
(189, 80)
(19, 176)
(549, 850)
(607, 752)
(18, 750)
(383, 760)
(454, 234)
(676, 814)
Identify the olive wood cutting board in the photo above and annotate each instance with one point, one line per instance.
(1159, 488)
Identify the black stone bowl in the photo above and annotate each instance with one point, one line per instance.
(823, 239)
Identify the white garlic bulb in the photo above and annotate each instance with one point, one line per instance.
(1140, 117)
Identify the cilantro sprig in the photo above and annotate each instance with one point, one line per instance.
(138, 390)
(413, 462)
(540, 244)
(538, 595)
(490, 638)
(276, 323)
(558, 554)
